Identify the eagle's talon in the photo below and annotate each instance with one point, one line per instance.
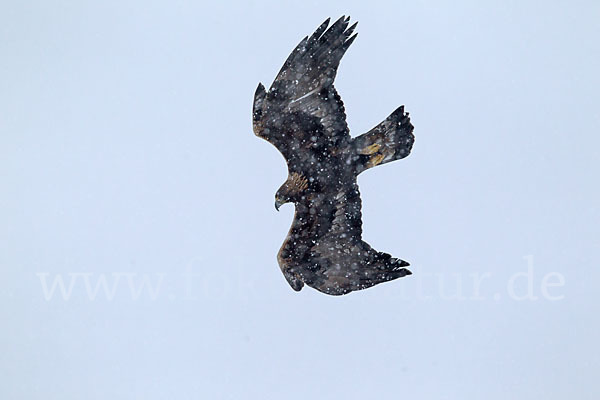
(372, 149)
(375, 160)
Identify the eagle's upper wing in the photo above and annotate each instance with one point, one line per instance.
(302, 101)
(338, 261)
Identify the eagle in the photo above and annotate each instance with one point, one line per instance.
(303, 116)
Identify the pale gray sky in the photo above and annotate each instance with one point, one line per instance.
(127, 154)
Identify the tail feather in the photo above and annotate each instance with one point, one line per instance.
(391, 140)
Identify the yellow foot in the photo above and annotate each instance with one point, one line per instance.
(375, 160)
(374, 148)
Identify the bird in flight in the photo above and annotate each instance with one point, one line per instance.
(303, 116)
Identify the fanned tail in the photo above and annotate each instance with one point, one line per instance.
(390, 140)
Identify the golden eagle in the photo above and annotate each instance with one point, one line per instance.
(303, 116)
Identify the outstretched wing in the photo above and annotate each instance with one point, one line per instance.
(302, 107)
(327, 251)
(352, 263)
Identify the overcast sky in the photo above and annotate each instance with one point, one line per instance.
(128, 163)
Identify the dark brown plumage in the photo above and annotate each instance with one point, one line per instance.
(303, 116)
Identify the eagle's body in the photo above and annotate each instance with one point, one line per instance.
(304, 117)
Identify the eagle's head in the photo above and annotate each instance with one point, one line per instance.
(291, 190)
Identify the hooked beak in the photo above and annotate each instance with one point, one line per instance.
(278, 204)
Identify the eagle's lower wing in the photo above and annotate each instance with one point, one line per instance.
(339, 261)
(302, 106)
